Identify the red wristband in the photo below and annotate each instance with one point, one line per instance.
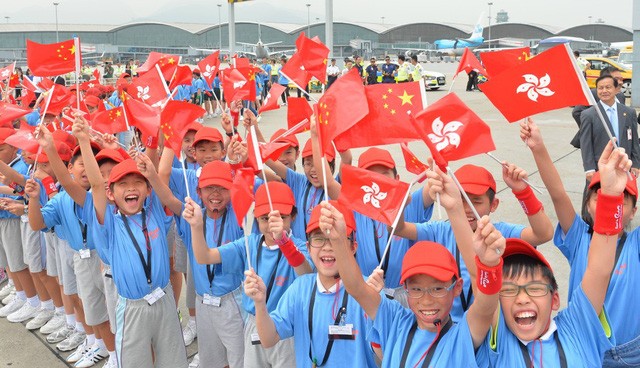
(49, 185)
(489, 279)
(290, 252)
(527, 199)
(235, 116)
(17, 188)
(152, 142)
(608, 219)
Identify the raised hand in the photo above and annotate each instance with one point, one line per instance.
(32, 188)
(276, 225)
(110, 141)
(613, 165)
(376, 280)
(145, 166)
(80, 128)
(254, 287)
(44, 137)
(192, 212)
(530, 134)
(441, 183)
(332, 221)
(513, 176)
(488, 243)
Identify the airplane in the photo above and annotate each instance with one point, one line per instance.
(259, 49)
(457, 46)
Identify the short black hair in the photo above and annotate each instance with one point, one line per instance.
(522, 265)
(414, 57)
(78, 154)
(401, 57)
(609, 70)
(603, 77)
(586, 217)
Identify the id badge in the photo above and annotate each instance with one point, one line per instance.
(209, 299)
(344, 332)
(24, 218)
(255, 339)
(85, 253)
(153, 296)
(629, 136)
(390, 293)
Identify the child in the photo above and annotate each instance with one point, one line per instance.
(266, 251)
(313, 302)
(289, 157)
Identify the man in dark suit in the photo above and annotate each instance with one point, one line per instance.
(621, 120)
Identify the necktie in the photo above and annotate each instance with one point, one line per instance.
(613, 119)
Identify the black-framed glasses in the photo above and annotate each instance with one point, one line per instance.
(533, 289)
(435, 291)
(321, 241)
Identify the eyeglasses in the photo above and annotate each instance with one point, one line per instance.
(214, 189)
(533, 289)
(321, 241)
(436, 291)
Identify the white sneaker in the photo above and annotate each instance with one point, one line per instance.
(54, 324)
(72, 342)
(81, 350)
(189, 333)
(24, 313)
(92, 357)
(9, 298)
(60, 334)
(6, 290)
(111, 363)
(43, 316)
(15, 305)
(195, 363)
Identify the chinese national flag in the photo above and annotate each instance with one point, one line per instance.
(244, 66)
(142, 116)
(341, 107)
(454, 131)
(388, 118)
(549, 81)
(150, 88)
(371, 194)
(24, 140)
(110, 121)
(267, 151)
(209, 67)
(235, 85)
(469, 62)
(175, 117)
(10, 112)
(498, 61)
(48, 60)
(166, 62)
(314, 55)
(183, 75)
(242, 193)
(271, 101)
(412, 163)
(294, 70)
(298, 109)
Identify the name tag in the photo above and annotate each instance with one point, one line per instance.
(85, 253)
(154, 296)
(255, 339)
(24, 218)
(209, 299)
(344, 332)
(390, 293)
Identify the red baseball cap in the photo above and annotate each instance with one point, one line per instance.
(6, 133)
(123, 169)
(429, 258)
(207, 134)
(314, 220)
(95, 92)
(281, 199)
(109, 154)
(194, 125)
(196, 71)
(475, 179)
(631, 187)
(291, 139)
(62, 136)
(376, 156)
(519, 246)
(94, 145)
(63, 151)
(216, 173)
(93, 101)
(308, 151)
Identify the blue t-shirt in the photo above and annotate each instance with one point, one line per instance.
(63, 213)
(370, 233)
(579, 330)
(94, 236)
(115, 99)
(282, 79)
(126, 266)
(307, 197)
(178, 186)
(216, 82)
(271, 266)
(222, 283)
(291, 318)
(441, 233)
(623, 285)
(267, 69)
(21, 167)
(393, 323)
(177, 164)
(33, 118)
(183, 93)
(197, 84)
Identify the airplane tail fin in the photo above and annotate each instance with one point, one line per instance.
(259, 33)
(477, 30)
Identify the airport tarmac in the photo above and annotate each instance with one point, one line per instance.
(21, 348)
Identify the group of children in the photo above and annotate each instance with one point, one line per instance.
(96, 240)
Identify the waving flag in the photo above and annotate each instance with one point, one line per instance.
(371, 194)
(549, 81)
(497, 62)
(314, 55)
(294, 70)
(10, 112)
(271, 101)
(209, 67)
(469, 62)
(24, 140)
(109, 121)
(166, 62)
(175, 118)
(7, 71)
(298, 109)
(142, 116)
(411, 161)
(235, 85)
(242, 193)
(48, 60)
(150, 88)
(183, 75)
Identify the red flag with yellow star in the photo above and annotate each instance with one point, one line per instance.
(142, 116)
(314, 55)
(388, 119)
(242, 193)
(175, 119)
(166, 62)
(48, 60)
(109, 121)
(411, 162)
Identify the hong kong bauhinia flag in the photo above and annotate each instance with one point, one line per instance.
(549, 81)
(209, 67)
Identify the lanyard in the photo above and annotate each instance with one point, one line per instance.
(145, 265)
(210, 271)
(432, 349)
(465, 299)
(527, 358)
(342, 312)
(305, 201)
(83, 227)
(272, 279)
(385, 265)
(619, 247)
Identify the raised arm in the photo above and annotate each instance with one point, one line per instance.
(165, 194)
(334, 187)
(193, 215)
(81, 131)
(36, 221)
(255, 288)
(166, 164)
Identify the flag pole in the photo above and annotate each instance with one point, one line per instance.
(395, 223)
(41, 125)
(304, 91)
(438, 206)
(126, 121)
(464, 194)
(76, 44)
(292, 129)
(246, 242)
(504, 165)
(184, 173)
(256, 151)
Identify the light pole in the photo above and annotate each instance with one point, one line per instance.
(7, 18)
(308, 20)
(219, 27)
(55, 5)
(382, 19)
(489, 24)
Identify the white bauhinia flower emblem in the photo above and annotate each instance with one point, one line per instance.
(91, 85)
(143, 92)
(445, 134)
(239, 84)
(267, 98)
(534, 86)
(373, 195)
(5, 73)
(209, 70)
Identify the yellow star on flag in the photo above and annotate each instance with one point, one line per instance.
(386, 106)
(393, 112)
(406, 98)
(384, 97)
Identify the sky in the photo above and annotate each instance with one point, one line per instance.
(559, 14)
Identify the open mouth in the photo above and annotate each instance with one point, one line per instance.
(525, 319)
(131, 199)
(328, 261)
